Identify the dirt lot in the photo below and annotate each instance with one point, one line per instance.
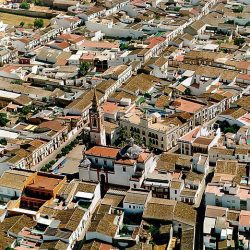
(16, 19)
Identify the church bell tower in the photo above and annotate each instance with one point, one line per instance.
(97, 130)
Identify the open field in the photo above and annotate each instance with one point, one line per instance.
(13, 19)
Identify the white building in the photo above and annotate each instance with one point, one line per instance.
(135, 200)
(124, 167)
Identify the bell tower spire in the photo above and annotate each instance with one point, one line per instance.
(94, 101)
(97, 130)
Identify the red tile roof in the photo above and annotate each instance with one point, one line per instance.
(244, 77)
(71, 38)
(102, 151)
(153, 41)
(109, 107)
(243, 65)
(244, 218)
(53, 125)
(186, 105)
(101, 45)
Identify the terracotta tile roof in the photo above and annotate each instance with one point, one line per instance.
(233, 215)
(153, 41)
(101, 45)
(14, 179)
(86, 187)
(214, 211)
(175, 184)
(61, 45)
(143, 157)
(185, 213)
(56, 245)
(186, 105)
(162, 101)
(70, 218)
(129, 162)
(133, 86)
(243, 65)
(84, 101)
(244, 102)
(169, 210)
(244, 218)
(226, 167)
(105, 152)
(221, 151)
(22, 100)
(205, 141)
(244, 77)
(53, 125)
(105, 85)
(136, 197)
(72, 38)
(105, 225)
(110, 126)
(112, 199)
(235, 113)
(159, 209)
(25, 40)
(187, 239)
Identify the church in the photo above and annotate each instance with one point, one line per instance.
(125, 166)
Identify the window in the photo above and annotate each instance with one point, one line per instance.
(105, 162)
(96, 160)
(124, 169)
(94, 123)
(175, 191)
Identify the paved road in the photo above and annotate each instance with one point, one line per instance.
(52, 156)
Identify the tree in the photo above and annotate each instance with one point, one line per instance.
(18, 82)
(24, 5)
(26, 110)
(84, 67)
(230, 21)
(37, 2)
(44, 169)
(124, 46)
(187, 91)
(3, 141)
(3, 119)
(125, 229)
(153, 230)
(58, 156)
(122, 137)
(44, 99)
(239, 41)
(52, 162)
(38, 23)
(239, 9)
(22, 24)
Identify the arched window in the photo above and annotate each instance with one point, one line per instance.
(94, 123)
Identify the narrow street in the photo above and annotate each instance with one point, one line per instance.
(201, 215)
